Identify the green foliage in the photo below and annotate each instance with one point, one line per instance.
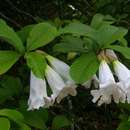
(37, 63)
(8, 34)
(84, 67)
(60, 122)
(4, 124)
(9, 87)
(70, 44)
(7, 60)
(40, 35)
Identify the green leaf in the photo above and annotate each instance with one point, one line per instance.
(37, 63)
(24, 32)
(125, 51)
(107, 34)
(9, 86)
(84, 67)
(97, 21)
(12, 115)
(70, 44)
(4, 124)
(24, 126)
(124, 126)
(40, 35)
(7, 60)
(77, 29)
(60, 122)
(8, 34)
(36, 118)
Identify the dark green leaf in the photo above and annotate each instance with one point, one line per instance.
(84, 67)
(40, 35)
(9, 86)
(77, 29)
(60, 122)
(4, 124)
(8, 34)
(37, 63)
(7, 60)
(70, 44)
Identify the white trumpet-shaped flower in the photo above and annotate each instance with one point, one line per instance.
(123, 74)
(108, 88)
(38, 93)
(61, 68)
(60, 88)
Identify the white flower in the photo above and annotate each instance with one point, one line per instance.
(123, 74)
(38, 93)
(60, 89)
(108, 88)
(61, 68)
(94, 80)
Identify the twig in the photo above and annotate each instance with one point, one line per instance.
(20, 11)
(10, 20)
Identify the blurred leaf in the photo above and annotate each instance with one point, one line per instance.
(24, 32)
(70, 44)
(40, 35)
(84, 67)
(12, 115)
(37, 63)
(8, 34)
(36, 118)
(9, 86)
(4, 124)
(60, 122)
(124, 126)
(97, 21)
(7, 60)
(24, 126)
(125, 51)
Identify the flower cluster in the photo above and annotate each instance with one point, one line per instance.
(109, 88)
(57, 78)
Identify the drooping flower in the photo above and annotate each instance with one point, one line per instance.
(61, 68)
(38, 93)
(59, 87)
(123, 74)
(108, 88)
